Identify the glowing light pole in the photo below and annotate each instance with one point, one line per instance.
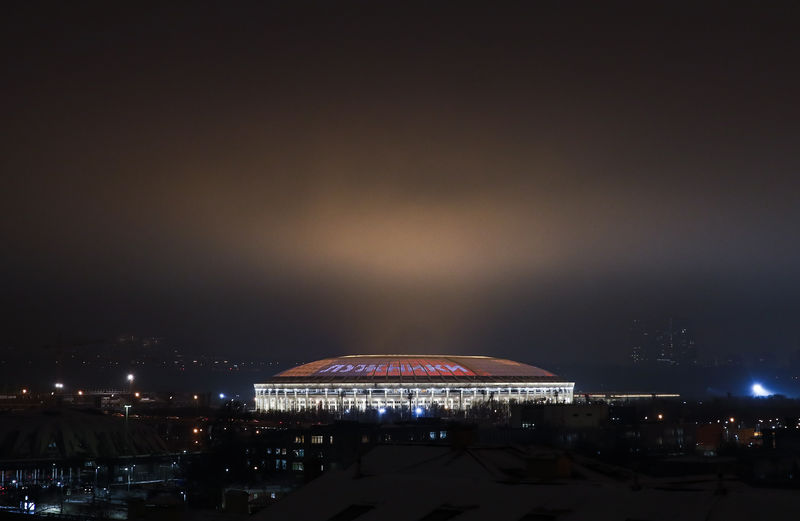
(127, 407)
(130, 383)
(758, 390)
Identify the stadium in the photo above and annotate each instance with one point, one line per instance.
(396, 381)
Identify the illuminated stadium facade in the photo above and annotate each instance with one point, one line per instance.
(396, 381)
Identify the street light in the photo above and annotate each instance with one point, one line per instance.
(127, 407)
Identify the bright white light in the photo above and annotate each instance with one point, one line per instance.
(59, 385)
(758, 390)
(130, 377)
(418, 410)
(221, 396)
(381, 410)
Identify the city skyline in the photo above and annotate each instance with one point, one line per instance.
(403, 261)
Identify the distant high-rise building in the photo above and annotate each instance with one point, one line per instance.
(639, 342)
(673, 344)
(686, 350)
(665, 345)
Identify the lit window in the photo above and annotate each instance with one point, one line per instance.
(316, 440)
(442, 434)
(297, 465)
(300, 438)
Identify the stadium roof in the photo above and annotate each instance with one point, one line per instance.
(413, 368)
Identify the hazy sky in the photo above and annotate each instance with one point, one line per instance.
(381, 177)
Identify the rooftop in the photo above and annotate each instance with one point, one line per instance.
(431, 368)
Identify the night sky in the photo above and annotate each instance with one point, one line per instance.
(301, 180)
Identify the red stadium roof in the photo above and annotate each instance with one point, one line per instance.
(440, 368)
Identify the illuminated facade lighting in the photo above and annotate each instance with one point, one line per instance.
(396, 381)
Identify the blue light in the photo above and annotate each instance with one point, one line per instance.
(221, 396)
(418, 411)
(758, 390)
(381, 410)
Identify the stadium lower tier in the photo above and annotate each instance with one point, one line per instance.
(301, 397)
